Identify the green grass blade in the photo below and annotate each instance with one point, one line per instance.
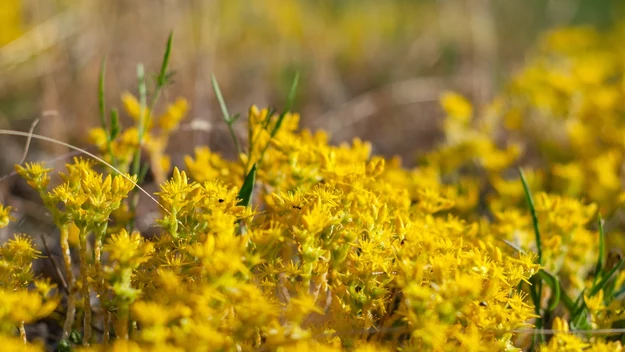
(600, 258)
(596, 288)
(143, 100)
(530, 203)
(143, 173)
(115, 126)
(245, 194)
(554, 283)
(220, 99)
(566, 300)
(101, 101)
(292, 92)
(143, 92)
(230, 120)
(289, 104)
(163, 76)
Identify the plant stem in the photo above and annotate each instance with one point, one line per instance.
(71, 297)
(100, 232)
(107, 326)
(86, 297)
(23, 332)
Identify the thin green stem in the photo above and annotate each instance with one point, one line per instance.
(142, 118)
(86, 295)
(71, 297)
(226, 115)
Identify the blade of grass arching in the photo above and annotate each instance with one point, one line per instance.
(554, 283)
(226, 115)
(601, 256)
(85, 152)
(289, 104)
(101, 101)
(530, 203)
(95, 157)
(245, 194)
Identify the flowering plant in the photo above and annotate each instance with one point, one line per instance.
(300, 244)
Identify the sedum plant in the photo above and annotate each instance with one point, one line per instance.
(298, 244)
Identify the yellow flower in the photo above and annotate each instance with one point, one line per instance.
(128, 249)
(5, 215)
(35, 174)
(133, 108)
(457, 107)
(175, 113)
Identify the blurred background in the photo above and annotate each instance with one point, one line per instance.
(369, 68)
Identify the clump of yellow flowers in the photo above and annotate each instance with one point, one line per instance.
(298, 244)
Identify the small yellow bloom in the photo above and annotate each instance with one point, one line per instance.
(457, 107)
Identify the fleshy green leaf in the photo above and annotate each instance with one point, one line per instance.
(245, 194)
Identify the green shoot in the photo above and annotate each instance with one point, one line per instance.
(600, 258)
(530, 203)
(230, 120)
(101, 101)
(289, 104)
(245, 194)
(536, 289)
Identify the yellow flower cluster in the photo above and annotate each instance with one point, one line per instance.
(301, 245)
(562, 114)
(20, 305)
(121, 150)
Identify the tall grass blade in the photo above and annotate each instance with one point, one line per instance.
(163, 75)
(101, 100)
(289, 104)
(220, 100)
(554, 283)
(600, 258)
(530, 203)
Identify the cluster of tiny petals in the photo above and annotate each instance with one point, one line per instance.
(338, 234)
(564, 104)
(342, 250)
(5, 215)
